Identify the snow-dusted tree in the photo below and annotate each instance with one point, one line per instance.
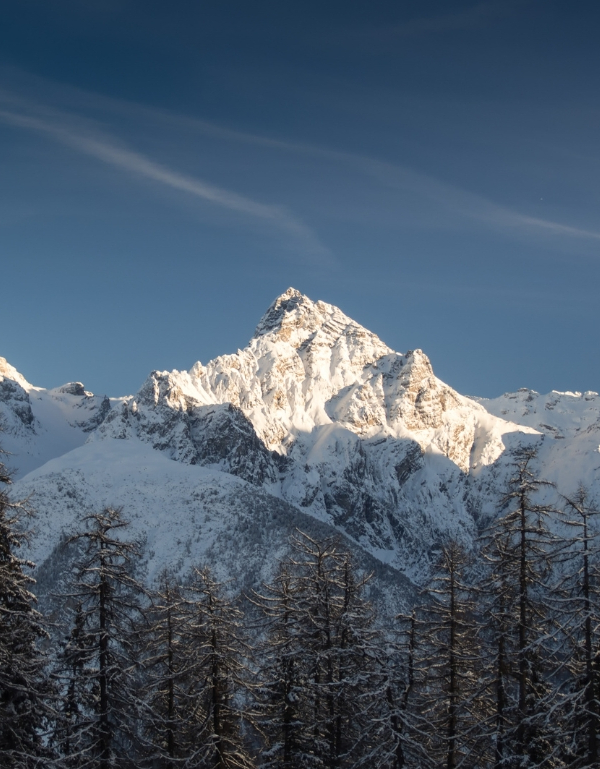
(496, 597)
(578, 602)
(322, 673)
(522, 643)
(96, 665)
(449, 701)
(24, 686)
(79, 697)
(280, 694)
(215, 699)
(169, 662)
(394, 721)
(165, 673)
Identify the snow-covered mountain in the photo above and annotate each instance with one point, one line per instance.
(40, 424)
(561, 415)
(315, 423)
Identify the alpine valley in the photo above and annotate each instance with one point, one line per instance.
(316, 425)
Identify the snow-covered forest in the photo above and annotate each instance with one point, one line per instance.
(496, 664)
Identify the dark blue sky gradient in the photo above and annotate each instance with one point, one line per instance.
(433, 168)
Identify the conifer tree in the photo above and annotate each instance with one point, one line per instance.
(578, 608)
(217, 679)
(449, 702)
(496, 599)
(322, 671)
(79, 698)
(97, 666)
(395, 725)
(24, 686)
(164, 671)
(170, 685)
(280, 694)
(522, 641)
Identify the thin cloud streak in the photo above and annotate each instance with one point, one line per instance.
(120, 157)
(469, 204)
(561, 229)
(453, 199)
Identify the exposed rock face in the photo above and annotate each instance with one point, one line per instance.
(176, 423)
(74, 388)
(225, 439)
(17, 416)
(98, 408)
(18, 406)
(417, 398)
(302, 354)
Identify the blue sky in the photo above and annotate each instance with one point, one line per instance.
(432, 168)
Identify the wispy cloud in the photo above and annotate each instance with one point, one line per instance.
(57, 126)
(467, 204)
(556, 227)
(462, 205)
(454, 199)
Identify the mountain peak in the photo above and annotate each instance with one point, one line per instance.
(295, 319)
(291, 302)
(291, 292)
(73, 388)
(10, 372)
